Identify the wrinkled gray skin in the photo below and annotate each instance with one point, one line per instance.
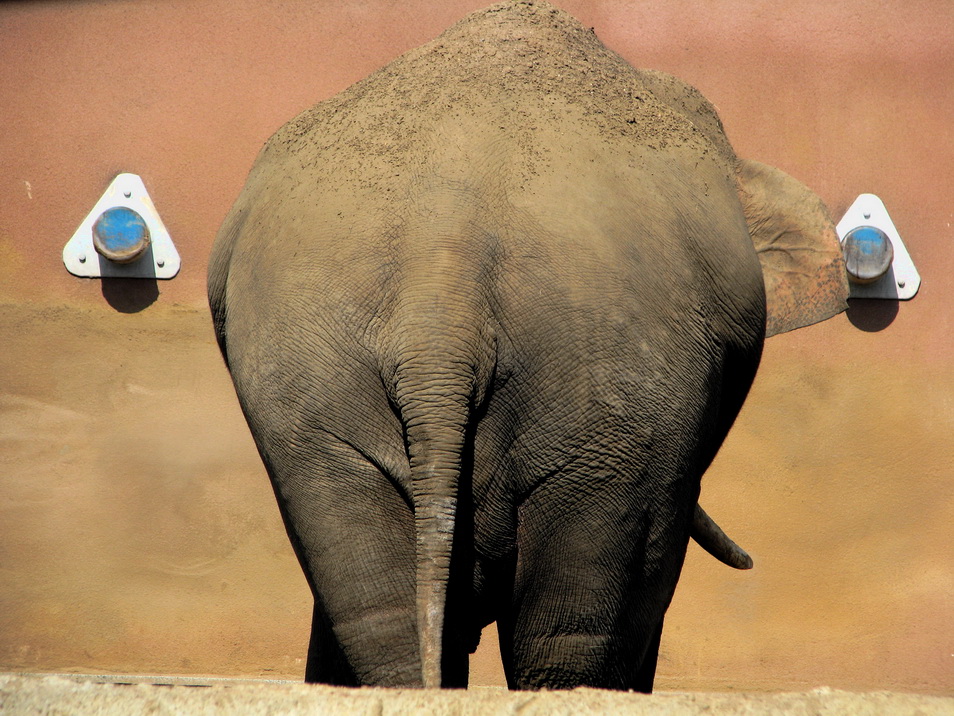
(490, 314)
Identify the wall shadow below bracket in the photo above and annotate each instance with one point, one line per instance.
(871, 315)
(130, 295)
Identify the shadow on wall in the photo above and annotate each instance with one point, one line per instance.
(130, 295)
(871, 315)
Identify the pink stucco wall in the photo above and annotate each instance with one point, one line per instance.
(137, 529)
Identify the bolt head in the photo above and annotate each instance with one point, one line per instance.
(868, 254)
(121, 235)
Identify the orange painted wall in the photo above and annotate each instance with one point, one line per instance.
(137, 529)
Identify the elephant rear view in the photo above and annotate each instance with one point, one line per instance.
(490, 313)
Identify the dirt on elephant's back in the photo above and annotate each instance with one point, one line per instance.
(521, 71)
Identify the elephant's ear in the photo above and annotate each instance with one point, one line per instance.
(802, 264)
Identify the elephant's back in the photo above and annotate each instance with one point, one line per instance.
(521, 116)
(518, 113)
(512, 74)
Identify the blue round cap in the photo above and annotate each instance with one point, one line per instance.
(868, 254)
(121, 235)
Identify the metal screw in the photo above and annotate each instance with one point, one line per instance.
(127, 194)
(901, 283)
(82, 258)
(867, 214)
(160, 262)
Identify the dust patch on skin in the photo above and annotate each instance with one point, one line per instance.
(523, 69)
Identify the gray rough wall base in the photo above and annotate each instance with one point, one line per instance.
(41, 694)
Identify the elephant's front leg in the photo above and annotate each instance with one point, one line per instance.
(354, 537)
(595, 573)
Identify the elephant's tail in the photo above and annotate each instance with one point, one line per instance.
(435, 393)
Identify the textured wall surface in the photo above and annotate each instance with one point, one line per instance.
(138, 532)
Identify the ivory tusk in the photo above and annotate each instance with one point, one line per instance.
(713, 540)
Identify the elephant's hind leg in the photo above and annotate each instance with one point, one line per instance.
(590, 592)
(646, 674)
(354, 535)
(327, 663)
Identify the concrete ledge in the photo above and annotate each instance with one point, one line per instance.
(55, 694)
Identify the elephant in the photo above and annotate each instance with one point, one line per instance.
(490, 313)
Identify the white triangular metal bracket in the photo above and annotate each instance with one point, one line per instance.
(160, 260)
(902, 280)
